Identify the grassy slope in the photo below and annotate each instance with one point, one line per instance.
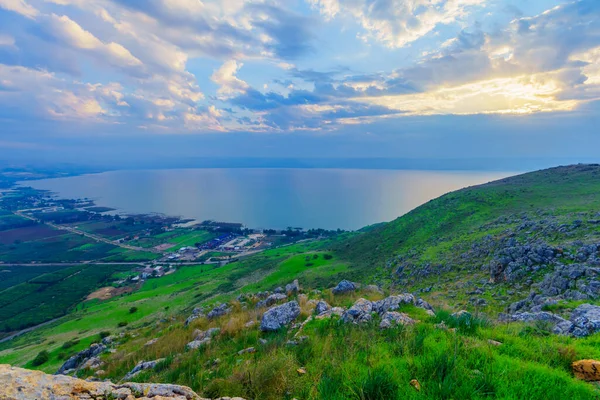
(358, 361)
(455, 218)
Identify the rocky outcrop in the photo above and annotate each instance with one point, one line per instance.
(277, 317)
(513, 261)
(344, 287)
(22, 384)
(584, 320)
(81, 358)
(322, 307)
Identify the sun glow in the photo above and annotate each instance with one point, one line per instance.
(516, 95)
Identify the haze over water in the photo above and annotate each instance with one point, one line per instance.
(268, 198)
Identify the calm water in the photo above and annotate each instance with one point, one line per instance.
(268, 198)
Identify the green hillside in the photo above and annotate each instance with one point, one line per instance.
(484, 249)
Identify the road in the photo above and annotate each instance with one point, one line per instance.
(86, 234)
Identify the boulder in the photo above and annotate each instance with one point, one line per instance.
(219, 311)
(391, 318)
(292, 288)
(587, 370)
(344, 287)
(141, 366)
(279, 316)
(80, 358)
(360, 312)
(322, 306)
(22, 384)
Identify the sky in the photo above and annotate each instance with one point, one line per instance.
(143, 80)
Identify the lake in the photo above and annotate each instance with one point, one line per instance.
(268, 198)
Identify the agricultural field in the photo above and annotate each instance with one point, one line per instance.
(50, 295)
(173, 293)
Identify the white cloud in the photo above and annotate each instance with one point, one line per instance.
(230, 84)
(396, 23)
(20, 7)
(42, 94)
(71, 33)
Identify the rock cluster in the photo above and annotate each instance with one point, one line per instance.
(363, 310)
(584, 320)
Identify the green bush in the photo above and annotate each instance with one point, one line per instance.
(104, 334)
(42, 357)
(122, 324)
(70, 343)
(132, 310)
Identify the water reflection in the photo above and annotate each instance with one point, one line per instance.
(274, 198)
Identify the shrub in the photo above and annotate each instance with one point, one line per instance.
(42, 357)
(70, 343)
(104, 334)
(132, 310)
(122, 324)
(327, 256)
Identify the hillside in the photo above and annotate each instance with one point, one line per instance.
(522, 255)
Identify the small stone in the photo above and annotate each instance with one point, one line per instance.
(494, 342)
(249, 350)
(301, 371)
(415, 383)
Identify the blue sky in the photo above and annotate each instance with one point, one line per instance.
(116, 79)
